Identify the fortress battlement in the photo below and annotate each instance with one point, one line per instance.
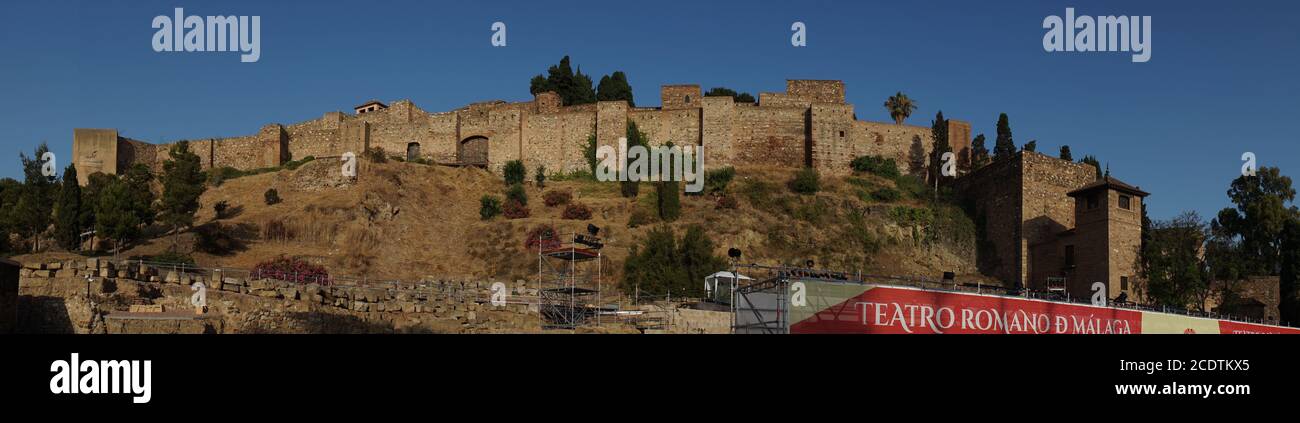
(809, 124)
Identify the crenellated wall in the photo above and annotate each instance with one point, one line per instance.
(808, 125)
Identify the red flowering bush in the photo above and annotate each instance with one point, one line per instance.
(515, 210)
(291, 270)
(543, 236)
(727, 202)
(577, 212)
(555, 198)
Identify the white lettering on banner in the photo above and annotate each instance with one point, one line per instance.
(911, 317)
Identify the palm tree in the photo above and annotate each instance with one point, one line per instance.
(900, 107)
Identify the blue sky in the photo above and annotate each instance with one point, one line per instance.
(1222, 78)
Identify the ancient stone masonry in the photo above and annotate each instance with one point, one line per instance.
(90, 296)
(808, 125)
(1044, 218)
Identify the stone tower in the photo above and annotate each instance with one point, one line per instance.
(1108, 233)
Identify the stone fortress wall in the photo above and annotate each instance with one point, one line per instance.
(808, 125)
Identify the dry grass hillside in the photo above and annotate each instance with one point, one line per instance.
(407, 221)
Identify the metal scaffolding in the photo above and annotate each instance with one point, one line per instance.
(569, 278)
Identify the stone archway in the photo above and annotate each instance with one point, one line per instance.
(473, 150)
(412, 151)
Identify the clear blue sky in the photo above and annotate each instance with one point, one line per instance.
(1224, 77)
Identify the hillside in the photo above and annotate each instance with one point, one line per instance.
(408, 221)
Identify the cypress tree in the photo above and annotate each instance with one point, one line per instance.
(67, 227)
(1004, 147)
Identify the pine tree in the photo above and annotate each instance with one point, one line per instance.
(1004, 146)
(116, 218)
(67, 226)
(183, 183)
(615, 87)
(32, 217)
(1065, 153)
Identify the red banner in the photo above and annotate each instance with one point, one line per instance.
(906, 311)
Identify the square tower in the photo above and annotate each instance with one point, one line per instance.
(1107, 236)
(677, 97)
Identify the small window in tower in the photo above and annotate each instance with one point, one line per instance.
(841, 134)
(1092, 201)
(1124, 202)
(688, 99)
(1123, 283)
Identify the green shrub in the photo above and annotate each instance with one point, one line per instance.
(716, 181)
(886, 195)
(876, 165)
(912, 216)
(517, 193)
(912, 186)
(806, 181)
(271, 196)
(294, 164)
(514, 172)
(172, 258)
(489, 207)
(540, 176)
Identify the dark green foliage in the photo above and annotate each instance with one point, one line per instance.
(573, 88)
(668, 199)
(514, 172)
(517, 193)
(170, 258)
(489, 207)
(67, 226)
(1065, 153)
(716, 181)
(615, 87)
(661, 266)
(1004, 147)
(886, 195)
(806, 181)
(589, 152)
(183, 183)
(876, 165)
(727, 92)
(540, 176)
(1175, 275)
(635, 137)
(35, 206)
(1032, 145)
(271, 197)
(115, 214)
(1257, 221)
(939, 138)
(979, 154)
(912, 186)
